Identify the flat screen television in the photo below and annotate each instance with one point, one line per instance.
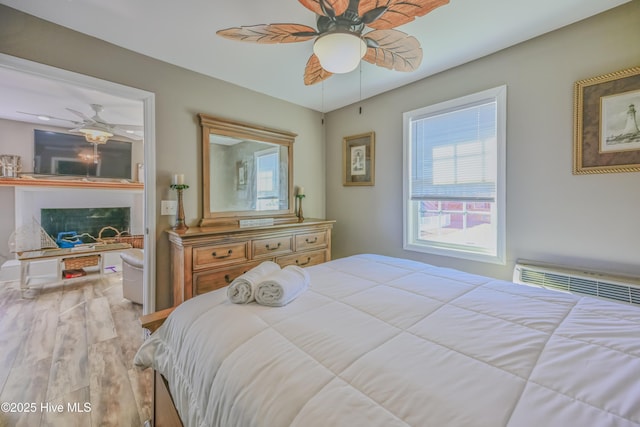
(65, 154)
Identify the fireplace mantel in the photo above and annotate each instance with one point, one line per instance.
(72, 183)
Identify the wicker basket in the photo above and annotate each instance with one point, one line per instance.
(77, 263)
(136, 241)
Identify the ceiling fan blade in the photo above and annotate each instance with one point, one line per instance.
(330, 8)
(393, 49)
(270, 33)
(313, 72)
(124, 133)
(75, 122)
(399, 12)
(135, 128)
(79, 114)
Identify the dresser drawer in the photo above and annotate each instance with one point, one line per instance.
(207, 281)
(305, 259)
(218, 255)
(271, 246)
(311, 240)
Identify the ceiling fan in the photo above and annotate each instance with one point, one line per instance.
(95, 129)
(340, 42)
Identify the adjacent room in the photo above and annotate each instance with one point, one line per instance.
(320, 212)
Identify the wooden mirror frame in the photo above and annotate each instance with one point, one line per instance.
(219, 126)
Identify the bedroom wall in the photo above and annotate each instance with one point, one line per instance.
(179, 95)
(552, 215)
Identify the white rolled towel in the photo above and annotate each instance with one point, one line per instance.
(282, 287)
(242, 289)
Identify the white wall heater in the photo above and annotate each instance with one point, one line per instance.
(601, 285)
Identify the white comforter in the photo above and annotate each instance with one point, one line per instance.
(379, 341)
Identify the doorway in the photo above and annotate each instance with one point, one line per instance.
(56, 75)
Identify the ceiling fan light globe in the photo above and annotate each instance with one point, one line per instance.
(339, 52)
(95, 135)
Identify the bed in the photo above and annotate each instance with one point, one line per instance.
(381, 341)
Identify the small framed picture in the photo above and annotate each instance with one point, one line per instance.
(358, 167)
(241, 169)
(607, 123)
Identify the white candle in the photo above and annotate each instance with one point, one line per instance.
(178, 179)
(301, 191)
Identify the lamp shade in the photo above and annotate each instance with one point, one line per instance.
(339, 52)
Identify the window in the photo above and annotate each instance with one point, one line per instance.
(454, 173)
(268, 188)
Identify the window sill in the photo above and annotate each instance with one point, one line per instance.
(467, 255)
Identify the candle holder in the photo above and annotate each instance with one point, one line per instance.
(300, 214)
(180, 226)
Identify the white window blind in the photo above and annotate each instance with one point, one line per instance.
(455, 154)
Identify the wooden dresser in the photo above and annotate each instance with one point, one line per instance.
(204, 259)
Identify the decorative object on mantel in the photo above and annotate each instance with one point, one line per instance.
(178, 184)
(300, 196)
(358, 159)
(607, 133)
(10, 165)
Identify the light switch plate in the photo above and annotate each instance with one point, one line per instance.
(168, 207)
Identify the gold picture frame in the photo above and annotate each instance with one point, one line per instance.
(606, 135)
(358, 159)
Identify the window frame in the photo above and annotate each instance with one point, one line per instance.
(410, 214)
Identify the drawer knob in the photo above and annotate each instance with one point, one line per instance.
(272, 248)
(228, 254)
(315, 239)
(304, 263)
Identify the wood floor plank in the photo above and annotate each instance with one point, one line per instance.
(109, 378)
(100, 325)
(15, 320)
(41, 339)
(27, 383)
(125, 314)
(141, 382)
(69, 367)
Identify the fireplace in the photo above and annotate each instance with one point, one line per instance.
(92, 209)
(86, 220)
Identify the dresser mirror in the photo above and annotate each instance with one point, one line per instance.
(247, 173)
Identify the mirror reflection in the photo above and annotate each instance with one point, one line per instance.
(247, 175)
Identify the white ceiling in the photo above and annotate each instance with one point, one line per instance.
(183, 33)
(37, 95)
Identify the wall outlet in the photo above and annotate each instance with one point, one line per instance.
(168, 207)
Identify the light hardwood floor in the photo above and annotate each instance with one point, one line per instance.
(72, 345)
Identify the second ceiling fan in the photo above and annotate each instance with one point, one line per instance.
(341, 25)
